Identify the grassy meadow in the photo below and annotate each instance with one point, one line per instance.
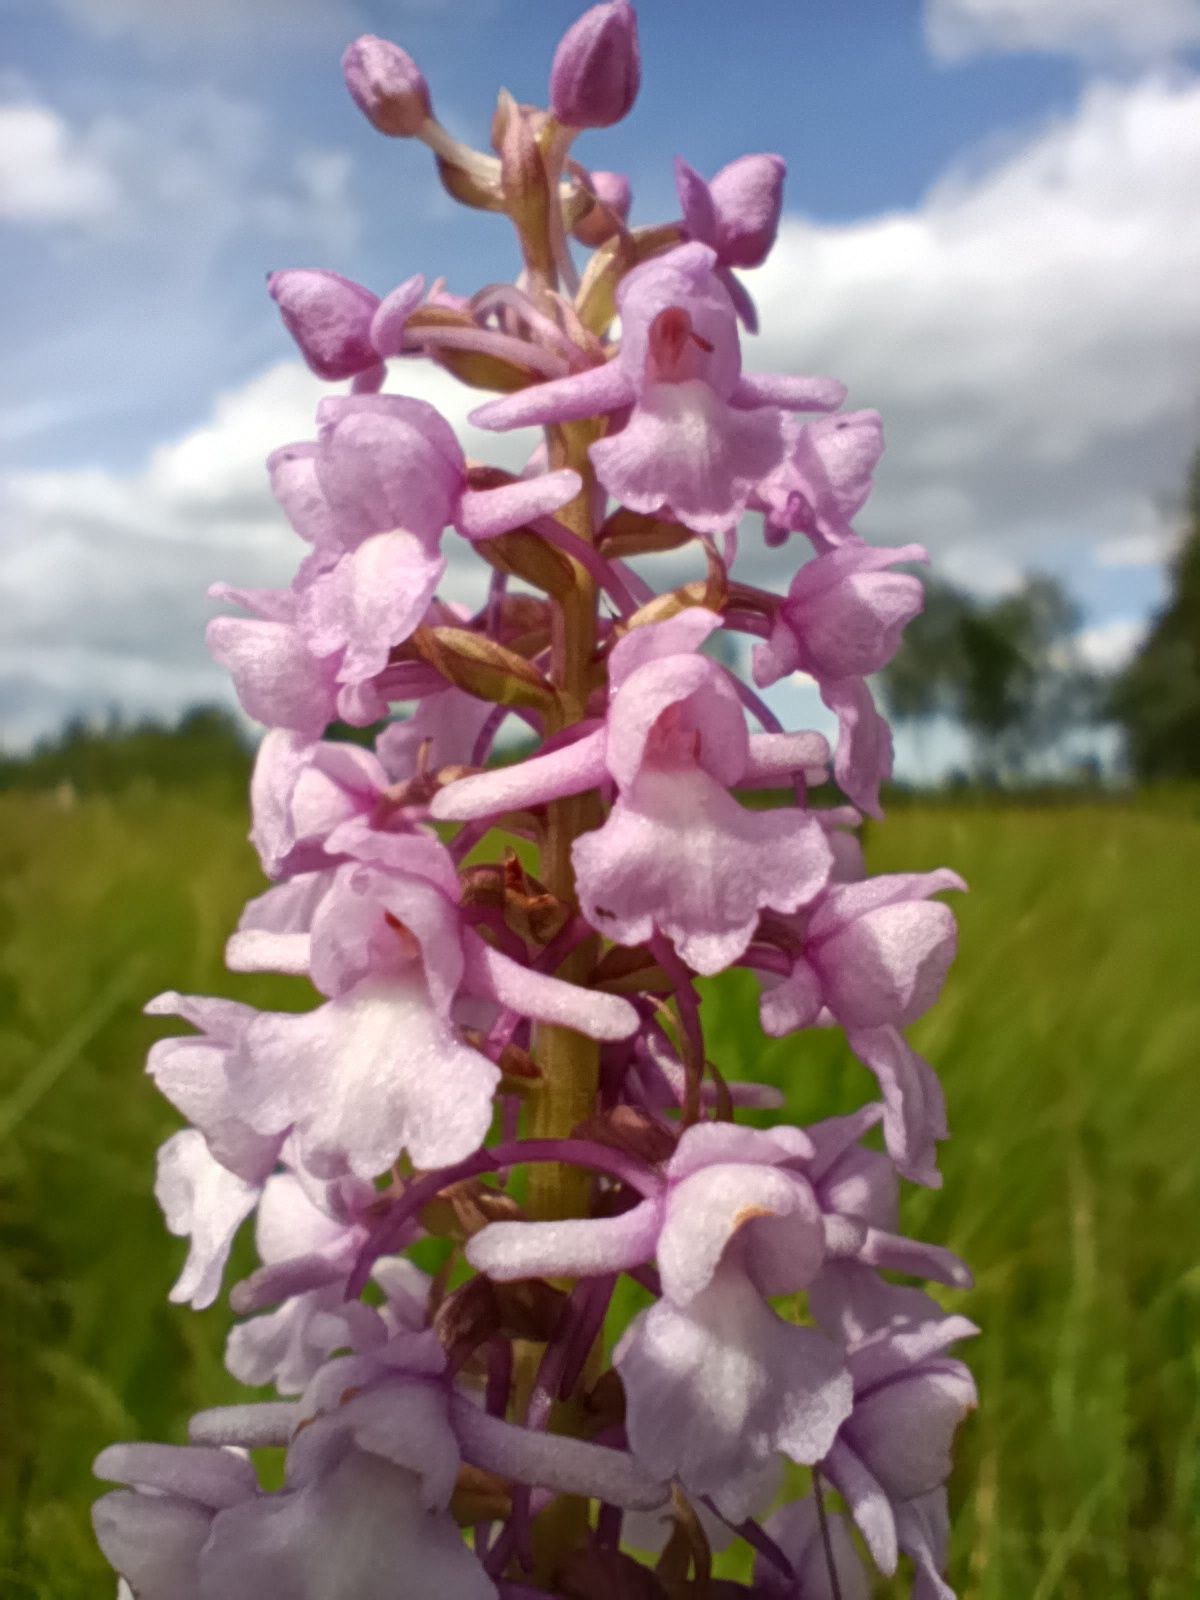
(1067, 1040)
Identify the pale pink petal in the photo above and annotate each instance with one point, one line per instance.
(534, 994)
(553, 1461)
(278, 680)
(714, 1391)
(868, 1503)
(793, 394)
(154, 1542)
(678, 854)
(686, 449)
(772, 1213)
(790, 1003)
(388, 461)
(367, 1076)
(905, 1428)
(864, 748)
(796, 1529)
(581, 1247)
(680, 635)
(748, 198)
(359, 1532)
(779, 757)
(483, 513)
(569, 770)
(296, 486)
(583, 394)
(886, 967)
(202, 1200)
(913, 1119)
(708, 725)
(393, 311)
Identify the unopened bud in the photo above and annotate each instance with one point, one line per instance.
(387, 86)
(602, 220)
(748, 199)
(597, 68)
(330, 319)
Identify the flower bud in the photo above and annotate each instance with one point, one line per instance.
(387, 86)
(748, 198)
(614, 195)
(597, 68)
(330, 319)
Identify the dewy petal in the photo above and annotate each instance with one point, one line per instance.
(358, 1532)
(685, 448)
(773, 1211)
(367, 1076)
(715, 1390)
(203, 1199)
(677, 853)
(581, 1247)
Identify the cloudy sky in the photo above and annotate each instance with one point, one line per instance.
(992, 235)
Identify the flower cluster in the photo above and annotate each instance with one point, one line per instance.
(505, 1067)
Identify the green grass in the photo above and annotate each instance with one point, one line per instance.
(1066, 1040)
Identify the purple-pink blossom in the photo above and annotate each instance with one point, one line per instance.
(515, 898)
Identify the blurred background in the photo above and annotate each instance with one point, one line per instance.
(992, 234)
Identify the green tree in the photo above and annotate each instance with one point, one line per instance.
(1156, 699)
(1007, 670)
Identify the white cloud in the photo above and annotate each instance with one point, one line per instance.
(50, 173)
(187, 22)
(1109, 645)
(1142, 30)
(103, 576)
(1031, 333)
(199, 161)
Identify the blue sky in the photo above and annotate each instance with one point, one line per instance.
(990, 233)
